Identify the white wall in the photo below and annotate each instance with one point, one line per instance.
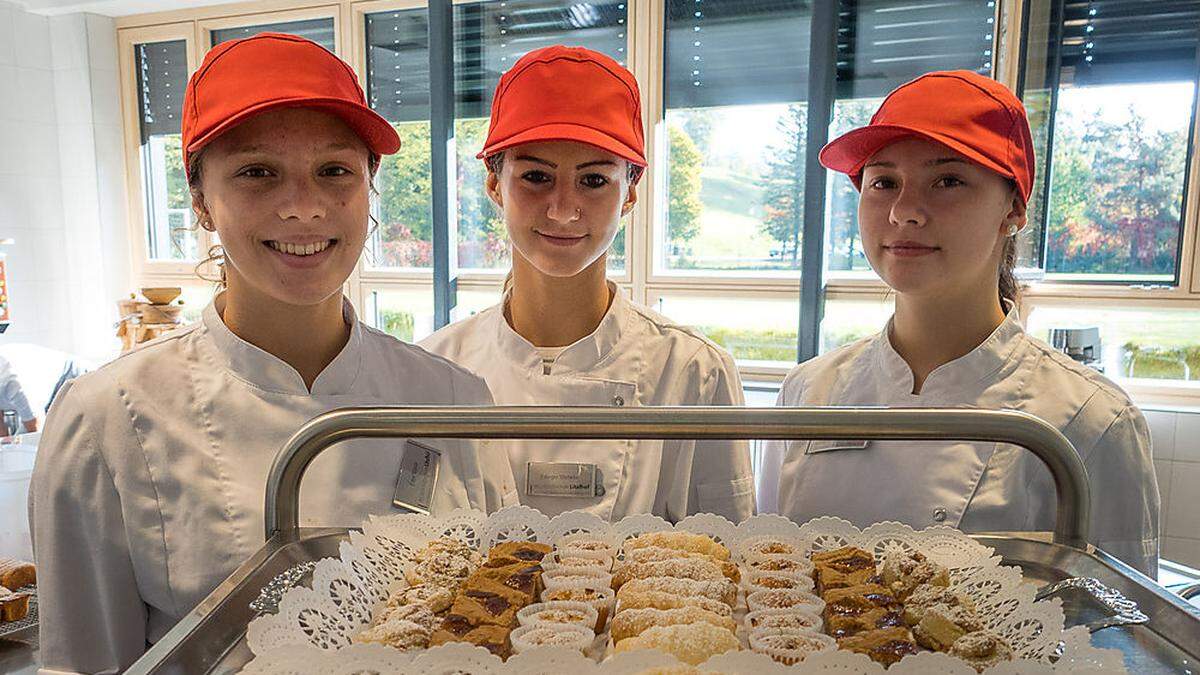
(1176, 437)
(62, 179)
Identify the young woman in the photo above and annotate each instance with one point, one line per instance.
(149, 483)
(564, 153)
(944, 193)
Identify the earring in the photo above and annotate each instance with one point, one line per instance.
(1013, 230)
(578, 213)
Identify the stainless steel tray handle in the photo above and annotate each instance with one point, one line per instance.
(1125, 612)
(282, 508)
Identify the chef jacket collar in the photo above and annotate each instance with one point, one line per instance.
(581, 356)
(975, 366)
(267, 371)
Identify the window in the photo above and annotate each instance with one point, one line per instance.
(757, 332)
(1112, 85)
(162, 72)
(489, 38)
(407, 313)
(320, 31)
(850, 319)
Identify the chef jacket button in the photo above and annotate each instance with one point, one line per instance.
(618, 401)
(939, 515)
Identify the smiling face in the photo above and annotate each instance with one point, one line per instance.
(934, 223)
(562, 203)
(288, 194)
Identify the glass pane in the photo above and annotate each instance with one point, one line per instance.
(489, 37)
(883, 44)
(1110, 87)
(162, 77)
(758, 332)
(734, 82)
(319, 31)
(1149, 343)
(848, 320)
(194, 299)
(407, 314)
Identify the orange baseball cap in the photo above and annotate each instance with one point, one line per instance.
(242, 78)
(568, 94)
(973, 115)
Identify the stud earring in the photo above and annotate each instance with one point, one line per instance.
(1013, 230)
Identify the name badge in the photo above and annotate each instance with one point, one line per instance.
(563, 479)
(418, 477)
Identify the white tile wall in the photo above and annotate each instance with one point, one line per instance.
(1176, 438)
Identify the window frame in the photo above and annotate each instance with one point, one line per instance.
(645, 227)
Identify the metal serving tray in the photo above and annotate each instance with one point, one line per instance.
(211, 638)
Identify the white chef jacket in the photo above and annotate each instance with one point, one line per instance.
(634, 357)
(150, 478)
(974, 486)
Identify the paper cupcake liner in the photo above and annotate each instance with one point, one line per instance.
(558, 577)
(603, 604)
(766, 581)
(586, 541)
(775, 620)
(793, 647)
(543, 613)
(577, 559)
(772, 545)
(524, 638)
(778, 562)
(785, 599)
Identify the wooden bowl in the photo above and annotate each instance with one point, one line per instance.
(162, 295)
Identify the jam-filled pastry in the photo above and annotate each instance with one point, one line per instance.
(681, 568)
(510, 552)
(484, 601)
(902, 572)
(843, 626)
(651, 553)
(841, 568)
(859, 599)
(692, 643)
(633, 622)
(661, 600)
(942, 625)
(398, 633)
(885, 645)
(523, 577)
(721, 589)
(492, 638)
(925, 596)
(981, 650)
(681, 541)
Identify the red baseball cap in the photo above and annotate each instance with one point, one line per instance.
(973, 115)
(568, 94)
(242, 78)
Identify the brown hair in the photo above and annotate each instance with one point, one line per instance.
(216, 253)
(1009, 287)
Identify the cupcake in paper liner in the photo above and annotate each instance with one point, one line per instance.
(587, 591)
(785, 598)
(524, 638)
(790, 648)
(560, 576)
(573, 544)
(558, 612)
(778, 562)
(783, 620)
(769, 581)
(773, 545)
(577, 559)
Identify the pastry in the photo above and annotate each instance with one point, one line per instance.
(842, 626)
(558, 612)
(556, 635)
(492, 638)
(414, 613)
(398, 633)
(942, 625)
(757, 581)
(826, 579)
(843, 567)
(633, 622)
(523, 577)
(680, 568)
(436, 598)
(779, 562)
(443, 562)
(559, 562)
(510, 552)
(488, 602)
(782, 620)
(13, 606)
(784, 598)
(584, 541)
(925, 596)
(675, 670)
(717, 589)
(885, 645)
(661, 600)
(682, 541)
(692, 643)
(856, 600)
(651, 553)
(601, 599)
(771, 545)
(903, 572)
(981, 650)
(15, 574)
(791, 647)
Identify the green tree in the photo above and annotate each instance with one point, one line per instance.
(683, 208)
(178, 195)
(783, 193)
(405, 192)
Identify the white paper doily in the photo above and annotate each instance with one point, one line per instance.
(312, 630)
